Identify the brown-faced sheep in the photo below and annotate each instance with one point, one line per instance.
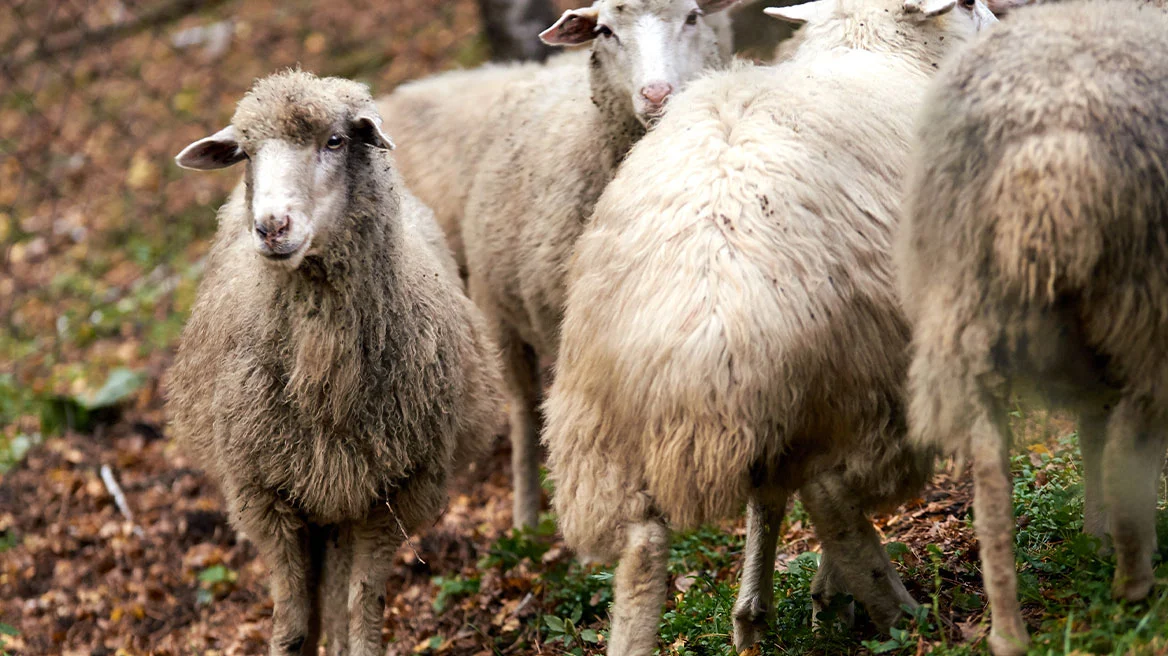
(1034, 254)
(332, 373)
(732, 332)
(569, 128)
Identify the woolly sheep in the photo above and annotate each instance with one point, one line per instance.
(332, 373)
(732, 332)
(442, 127)
(1033, 255)
(540, 179)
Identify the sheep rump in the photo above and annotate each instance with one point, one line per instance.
(1043, 253)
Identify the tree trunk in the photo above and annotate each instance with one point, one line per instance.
(513, 26)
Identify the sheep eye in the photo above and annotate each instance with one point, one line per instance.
(692, 19)
(968, 4)
(604, 31)
(334, 142)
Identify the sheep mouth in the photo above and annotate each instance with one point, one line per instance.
(281, 253)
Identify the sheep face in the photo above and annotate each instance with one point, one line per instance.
(646, 49)
(303, 138)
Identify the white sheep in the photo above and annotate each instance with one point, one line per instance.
(732, 332)
(332, 373)
(442, 124)
(1033, 255)
(569, 128)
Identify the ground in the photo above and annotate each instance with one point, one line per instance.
(101, 245)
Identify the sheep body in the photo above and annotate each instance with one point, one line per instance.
(743, 258)
(732, 332)
(336, 397)
(441, 126)
(567, 129)
(1034, 256)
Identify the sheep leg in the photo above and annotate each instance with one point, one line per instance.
(1092, 439)
(1132, 461)
(521, 368)
(374, 543)
(993, 521)
(825, 587)
(756, 593)
(639, 590)
(853, 549)
(316, 545)
(334, 590)
(281, 538)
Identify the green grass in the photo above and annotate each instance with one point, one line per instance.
(1062, 582)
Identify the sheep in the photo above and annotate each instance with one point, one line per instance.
(569, 127)
(442, 127)
(732, 332)
(1032, 257)
(332, 374)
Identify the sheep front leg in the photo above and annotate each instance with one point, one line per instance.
(756, 592)
(639, 590)
(1092, 440)
(281, 537)
(993, 521)
(1132, 461)
(521, 366)
(855, 556)
(374, 543)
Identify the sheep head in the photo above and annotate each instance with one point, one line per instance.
(646, 50)
(303, 138)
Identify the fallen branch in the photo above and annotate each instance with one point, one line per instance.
(115, 490)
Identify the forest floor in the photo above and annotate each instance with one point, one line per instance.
(101, 248)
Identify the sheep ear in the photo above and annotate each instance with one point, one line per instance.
(808, 12)
(714, 6)
(929, 8)
(368, 127)
(217, 151)
(576, 26)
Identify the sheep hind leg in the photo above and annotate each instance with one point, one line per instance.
(993, 522)
(1132, 461)
(521, 365)
(756, 593)
(1092, 440)
(826, 587)
(857, 560)
(334, 590)
(640, 587)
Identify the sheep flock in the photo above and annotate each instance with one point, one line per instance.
(811, 277)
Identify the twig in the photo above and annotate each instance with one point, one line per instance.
(404, 534)
(115, 490)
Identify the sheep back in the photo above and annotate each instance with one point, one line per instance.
(441, 125)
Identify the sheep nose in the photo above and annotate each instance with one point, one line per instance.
(656, 92)
(272, 229)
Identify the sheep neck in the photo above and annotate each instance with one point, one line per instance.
(337, 305)
(620, 126)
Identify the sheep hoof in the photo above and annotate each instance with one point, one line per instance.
(750, 622)
(1131, 588)
(1006, 645)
